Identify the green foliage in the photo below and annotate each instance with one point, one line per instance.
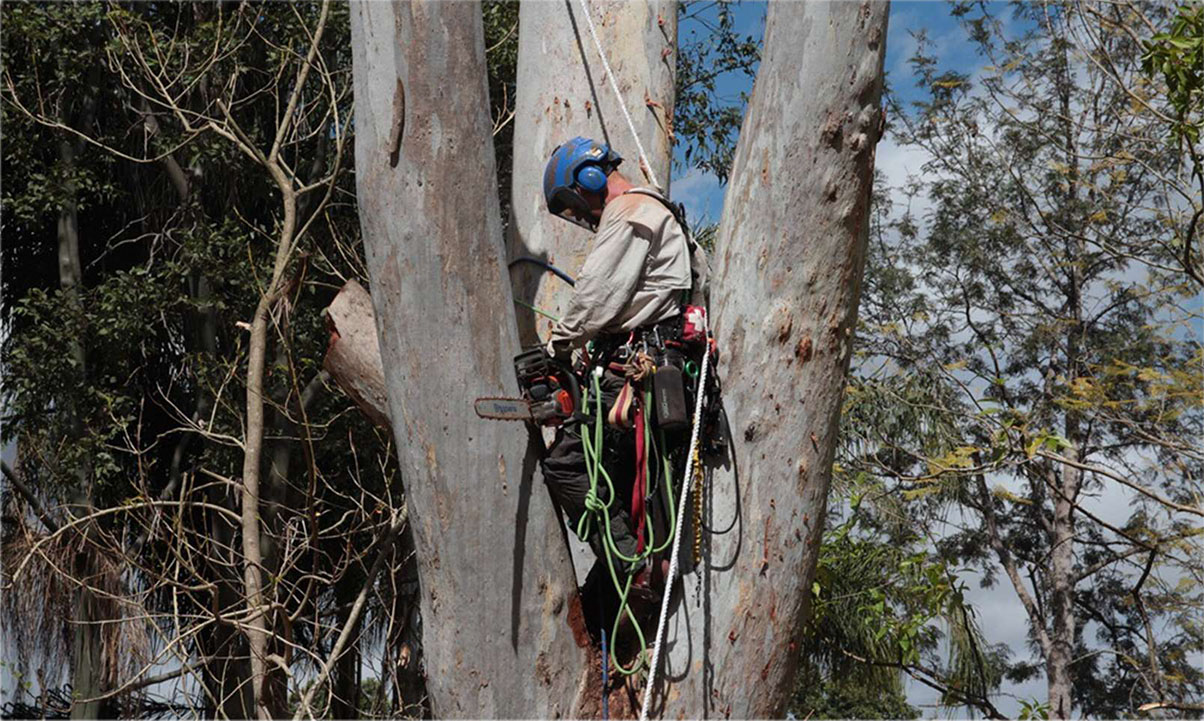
(838, 698)
(882, 605)
(1178, 56)
(129, 386)
(1033, 709)
(709, 49)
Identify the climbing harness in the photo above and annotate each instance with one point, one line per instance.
(614, 86)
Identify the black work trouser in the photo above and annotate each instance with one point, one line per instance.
(565, 473)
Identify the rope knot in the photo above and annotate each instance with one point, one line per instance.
(639, 367)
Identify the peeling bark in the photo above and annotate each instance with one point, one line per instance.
(495, 577)
(563, 92)
(789, 262)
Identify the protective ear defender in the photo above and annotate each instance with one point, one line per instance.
(591, 177)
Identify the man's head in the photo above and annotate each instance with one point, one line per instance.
(575, 180)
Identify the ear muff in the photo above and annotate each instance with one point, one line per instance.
(591, 178)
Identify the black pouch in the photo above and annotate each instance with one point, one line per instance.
(669, 395)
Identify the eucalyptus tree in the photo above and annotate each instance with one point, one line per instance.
(424, 288)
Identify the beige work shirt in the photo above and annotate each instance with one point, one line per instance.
(635, 274)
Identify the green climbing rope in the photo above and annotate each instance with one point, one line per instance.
(544, 313)
(598, 513)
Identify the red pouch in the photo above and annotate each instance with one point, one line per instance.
(694, 330)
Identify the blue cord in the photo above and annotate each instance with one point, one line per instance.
(605, 679)
(546, 266)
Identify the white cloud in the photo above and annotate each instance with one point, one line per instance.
(898, 163)
(702, 195)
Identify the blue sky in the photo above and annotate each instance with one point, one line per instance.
(702, 193)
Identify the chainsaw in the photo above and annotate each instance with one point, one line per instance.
(550, 392)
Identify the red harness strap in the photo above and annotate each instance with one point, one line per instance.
(641, 467)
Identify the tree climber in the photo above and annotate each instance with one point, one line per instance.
(632, 293)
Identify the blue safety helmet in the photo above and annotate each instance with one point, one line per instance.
(579, 164)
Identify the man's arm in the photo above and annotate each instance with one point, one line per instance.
(605, 285)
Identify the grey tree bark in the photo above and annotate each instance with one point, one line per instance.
(497, 588)
(563, 92)
(789, 262)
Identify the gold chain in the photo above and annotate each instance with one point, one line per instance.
(699, 478)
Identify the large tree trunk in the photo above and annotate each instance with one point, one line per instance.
(563, 92)
(790, 256)
(496, 582)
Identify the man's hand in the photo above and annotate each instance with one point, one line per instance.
(560, 351)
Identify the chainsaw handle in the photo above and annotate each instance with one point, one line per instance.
(574, 388)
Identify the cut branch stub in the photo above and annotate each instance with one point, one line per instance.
(353, 356)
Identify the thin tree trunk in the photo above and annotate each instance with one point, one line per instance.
(344, 688)
(256, 628)
(563, 92)
(496, 582)
(1061, 570)
(1061, 561)
(87, 671)
(790, 256)
(265, 682)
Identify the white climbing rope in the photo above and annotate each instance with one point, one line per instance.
(688, 486)
(688, 481)
(647, 166)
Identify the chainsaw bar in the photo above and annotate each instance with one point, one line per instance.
(503, 409)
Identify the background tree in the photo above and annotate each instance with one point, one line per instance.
(173, 265)
(706, 124)
(1175, 55)
(889, 606)
(1038, 314)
